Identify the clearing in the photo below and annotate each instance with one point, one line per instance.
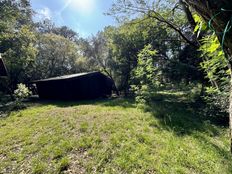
(113, 136)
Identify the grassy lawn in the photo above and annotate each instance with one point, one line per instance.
(112, 136)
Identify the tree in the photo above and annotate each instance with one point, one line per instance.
(56, 56)
(126, 41)
(47, 26)
(175, 21)
(17, 39)
(98, 54)
(20, 56)
(66, 32)
(14, 15)
(218, 13)
(185, 67)
(145, 76)
(167, 12)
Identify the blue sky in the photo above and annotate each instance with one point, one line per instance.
(83, 16)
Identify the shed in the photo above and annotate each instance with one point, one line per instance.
(76, 86)
(3, 72)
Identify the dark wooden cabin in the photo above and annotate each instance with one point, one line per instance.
(76, 86)
(3, 72)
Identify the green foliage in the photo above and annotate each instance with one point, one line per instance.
(126, 41)
(145, 75)
(28, 52)
(21, 55)
(17, 40)
(21, 92)
(215, 65)
(200, 24)
(57, 56)
(124, 44)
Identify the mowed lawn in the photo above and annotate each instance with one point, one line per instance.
(112, 136)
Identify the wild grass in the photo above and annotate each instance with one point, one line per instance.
(113, 136)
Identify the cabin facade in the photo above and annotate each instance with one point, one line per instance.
(75, 87)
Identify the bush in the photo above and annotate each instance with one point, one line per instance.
(22, 92)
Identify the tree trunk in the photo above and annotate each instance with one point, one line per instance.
(230, 115)
(219, 12)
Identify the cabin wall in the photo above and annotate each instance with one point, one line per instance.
(84, 87)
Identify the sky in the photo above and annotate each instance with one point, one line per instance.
(83, 16)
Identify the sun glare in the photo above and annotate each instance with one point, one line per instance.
(83, 6)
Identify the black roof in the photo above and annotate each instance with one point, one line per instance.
(67, 76)
(3, 71)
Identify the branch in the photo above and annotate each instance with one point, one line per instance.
(172, 26)
(153, 14)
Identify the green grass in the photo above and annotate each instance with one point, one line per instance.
(113, 137)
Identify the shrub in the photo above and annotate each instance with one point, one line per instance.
(22, 92)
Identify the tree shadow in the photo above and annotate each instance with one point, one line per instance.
(111, 102)
(174, 112)
(7, 108)
(224, 153)
(190, 118)
(182, 117)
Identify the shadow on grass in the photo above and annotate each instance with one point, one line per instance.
(225, 154)
(111, 102)
(181, 117)
(12, 106)
(173, 110)
(178, 117)
(5, 110)
(176, 113)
